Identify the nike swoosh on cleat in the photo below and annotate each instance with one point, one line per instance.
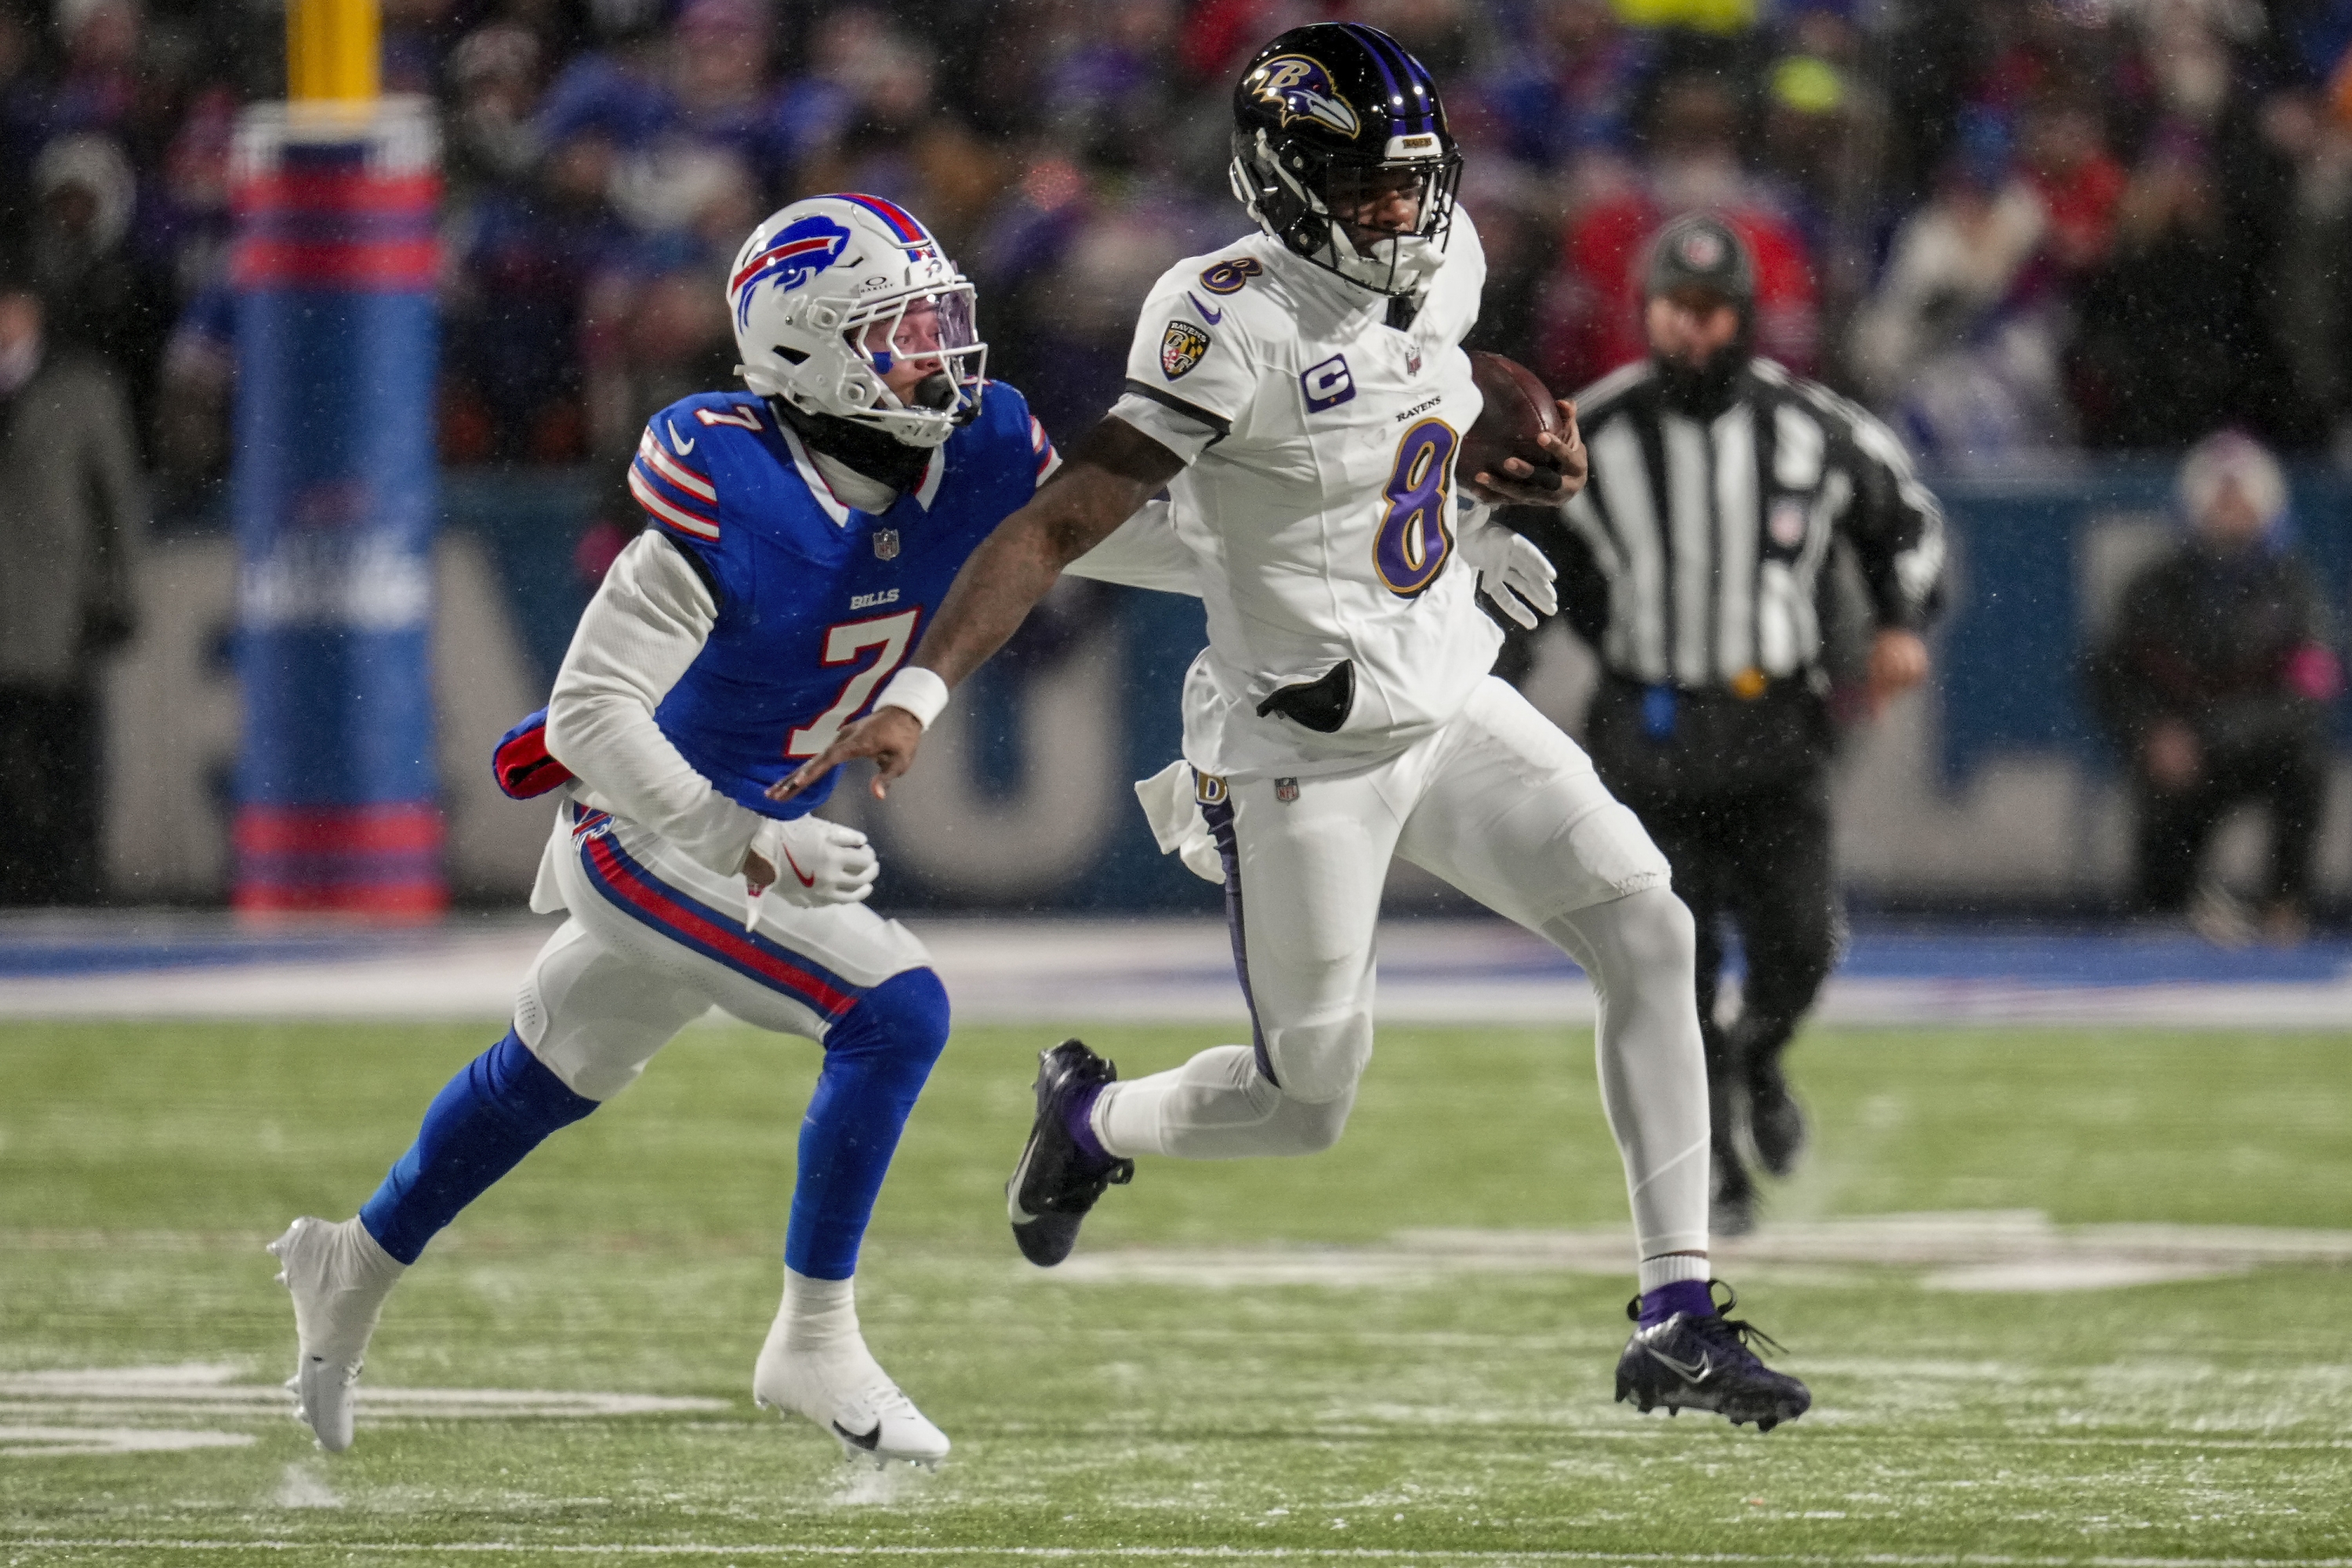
(1211, 317)
(868, 1441)
(1697, 1372)
(1018, 1215)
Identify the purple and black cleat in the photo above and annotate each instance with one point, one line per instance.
(1060, 1178)
(1702, 1361)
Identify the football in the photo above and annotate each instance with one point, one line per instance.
(1520, 407)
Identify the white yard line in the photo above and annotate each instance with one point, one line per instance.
(1170, 971)
(1990, 1251)
(1155, 1554)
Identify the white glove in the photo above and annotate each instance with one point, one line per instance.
(816, 862)
(1509, 569)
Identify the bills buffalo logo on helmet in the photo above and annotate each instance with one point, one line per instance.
(1303, 91)
(802, 251)
(1180, 348)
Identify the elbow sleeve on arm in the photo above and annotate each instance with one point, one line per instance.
(644, 628)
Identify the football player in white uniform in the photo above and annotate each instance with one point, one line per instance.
(1302, 393)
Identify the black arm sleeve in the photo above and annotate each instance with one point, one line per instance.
(1895, 524)
(1583, 586)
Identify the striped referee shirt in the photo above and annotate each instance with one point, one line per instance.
(1711, 536)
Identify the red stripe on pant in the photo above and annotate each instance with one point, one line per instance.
(650, 896)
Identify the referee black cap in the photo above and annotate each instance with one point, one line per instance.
(1702, 251)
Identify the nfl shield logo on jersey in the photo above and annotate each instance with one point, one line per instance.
(1285, 790)
(886, 544)
(1181, 348)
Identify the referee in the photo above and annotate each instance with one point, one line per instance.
(1694, 562)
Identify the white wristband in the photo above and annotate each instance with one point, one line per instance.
(917, 690)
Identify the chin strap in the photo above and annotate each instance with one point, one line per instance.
(880, 457)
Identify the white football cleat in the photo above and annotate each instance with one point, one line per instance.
(844, 1389)
(339, 1277)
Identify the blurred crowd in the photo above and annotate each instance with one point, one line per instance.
(2018, 228)
(2013, 226)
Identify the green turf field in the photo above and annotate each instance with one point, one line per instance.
(1430, 1416)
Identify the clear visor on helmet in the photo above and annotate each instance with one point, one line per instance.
(1374, 202)
(910, 340)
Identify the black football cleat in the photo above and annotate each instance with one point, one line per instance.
(1057, 1182)
(1775, 1125)
(1705, 1363)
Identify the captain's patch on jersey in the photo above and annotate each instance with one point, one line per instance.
(1180, 348)
(1327, 385)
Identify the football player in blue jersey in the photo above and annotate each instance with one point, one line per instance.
(800, 532)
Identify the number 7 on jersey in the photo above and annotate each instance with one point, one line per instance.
(894, 635)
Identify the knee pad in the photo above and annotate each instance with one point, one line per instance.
(1317, 1127)
(1612, 846)
(594, 1019)
(1652, 928)
(1224, 1069)
(905, 1018)
(1628, 943)
(1319, 1062)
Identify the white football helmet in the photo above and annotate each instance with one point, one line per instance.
(829, 292)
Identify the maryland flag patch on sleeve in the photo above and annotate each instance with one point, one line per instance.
(1180, 348)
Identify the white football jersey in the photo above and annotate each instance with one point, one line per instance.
(1319, 500)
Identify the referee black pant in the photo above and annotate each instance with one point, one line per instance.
(1759, 858)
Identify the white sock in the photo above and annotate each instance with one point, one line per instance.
(819, 1315)
(1098, 1121)
(1660, 1272)
(364, 1256)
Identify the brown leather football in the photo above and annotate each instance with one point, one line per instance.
(1520, 407)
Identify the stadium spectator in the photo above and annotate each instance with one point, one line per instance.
(653, 327)
(618, 93)
(95, 292)
(2216, 681)
(2312, 311)
(99, 90)
(1572, 86)
(20, 112)
(525, 268)
(2172, 341)
(1597, 298)
(70, 518)
(490, 140)
(2065, 158)
(2177, 150)
(1959, 342)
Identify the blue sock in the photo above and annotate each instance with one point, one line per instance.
(876, 1061)
(1690, 1296)
(475, 1131)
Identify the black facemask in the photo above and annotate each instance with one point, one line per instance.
(869, 451)
(1702, 391)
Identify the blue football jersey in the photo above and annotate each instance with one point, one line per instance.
(818, 602)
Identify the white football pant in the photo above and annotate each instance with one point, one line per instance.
(1506, 808)
(655, 938)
